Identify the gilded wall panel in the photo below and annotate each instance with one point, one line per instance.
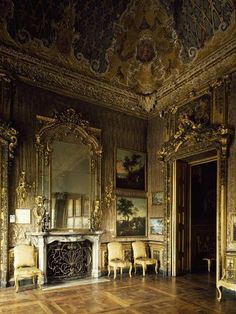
(231, 198)
(155, 139)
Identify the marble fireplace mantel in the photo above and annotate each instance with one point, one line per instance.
(42, 239)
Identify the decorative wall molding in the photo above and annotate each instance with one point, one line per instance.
(63, 81)
(199, 76)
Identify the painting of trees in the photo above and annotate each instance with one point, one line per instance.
(130, 170)
(131, 216)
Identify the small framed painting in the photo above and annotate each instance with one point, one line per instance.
(156, 225)
(130, 169)
(131, 216)
(157, 198)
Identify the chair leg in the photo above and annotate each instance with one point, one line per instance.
(40, 280)
(135, 268)
(109, 270)
(114, 272)
(33, 279)
(130, 270)
(156, 267)
(17, 284)
(144, 269)
(121, 271)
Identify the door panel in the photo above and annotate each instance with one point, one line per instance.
(181, 215)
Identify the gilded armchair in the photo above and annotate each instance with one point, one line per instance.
(116, 259)
(25, 265)
(140, 257)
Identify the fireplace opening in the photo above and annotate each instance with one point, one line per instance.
(69, 260)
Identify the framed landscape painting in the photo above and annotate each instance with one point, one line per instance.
(131, 216)
(156, 225)
(130, 169)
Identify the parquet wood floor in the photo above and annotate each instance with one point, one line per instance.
(152, 294)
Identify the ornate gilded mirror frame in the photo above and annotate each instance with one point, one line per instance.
(191, 140)
(67, 123)
(8, 141)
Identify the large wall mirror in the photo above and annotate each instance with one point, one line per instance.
(68, 160)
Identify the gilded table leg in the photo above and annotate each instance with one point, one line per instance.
(209, 265)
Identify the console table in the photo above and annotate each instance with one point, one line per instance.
(43, 240)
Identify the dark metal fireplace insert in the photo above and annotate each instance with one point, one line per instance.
(68, 260)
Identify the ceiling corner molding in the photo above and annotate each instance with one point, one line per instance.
(197, 78)
(44, 75)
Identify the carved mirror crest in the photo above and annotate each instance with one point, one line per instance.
(8, 141)
(68, 174)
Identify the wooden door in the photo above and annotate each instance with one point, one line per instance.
(182, 190)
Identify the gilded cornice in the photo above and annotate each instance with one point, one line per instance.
(61, 80)
(201, 76)
(191, 80)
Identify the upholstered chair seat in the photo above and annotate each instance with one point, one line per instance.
(141, 258)
(116, 260)
(25, 265)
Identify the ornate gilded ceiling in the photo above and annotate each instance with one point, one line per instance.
(135, 50)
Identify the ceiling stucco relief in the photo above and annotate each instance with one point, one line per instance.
(146, 49)
(155, 51)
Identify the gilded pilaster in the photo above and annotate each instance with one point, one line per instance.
(7, 144)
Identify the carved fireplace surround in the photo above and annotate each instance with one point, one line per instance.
(42, 241)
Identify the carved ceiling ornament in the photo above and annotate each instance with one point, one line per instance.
(146, 49)
(135, 64)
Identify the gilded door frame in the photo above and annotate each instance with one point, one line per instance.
(8, 141)
(182, 145)
(191, 160)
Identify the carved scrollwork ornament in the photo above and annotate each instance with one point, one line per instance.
(109, 197)
(190, 133)
(96, 216)
(39, 212)
(70, 116)
(22, 190)
(10, 135)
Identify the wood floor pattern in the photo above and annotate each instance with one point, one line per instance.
(136, 295)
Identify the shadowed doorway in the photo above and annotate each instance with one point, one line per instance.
(203, 179)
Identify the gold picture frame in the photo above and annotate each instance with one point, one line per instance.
(131, 216)
(130, 169)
